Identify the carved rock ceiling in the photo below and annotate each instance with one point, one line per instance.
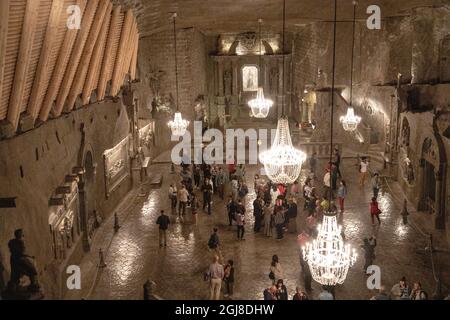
(220, 16)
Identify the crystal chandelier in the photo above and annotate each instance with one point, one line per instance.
(328, 257)
(178, 126)
(350, 121)
(282, 163)
(260, 106)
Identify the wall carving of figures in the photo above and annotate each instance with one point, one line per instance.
(429, 152)
(200, 108)
(408, 170)
(405, 133)
(147, 136)
(64, 223)
(154, 77)
(250, 75)
(247, 43)
(163, 106)
(116, 165)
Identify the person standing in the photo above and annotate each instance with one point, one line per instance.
(375, 184)
(183, 196)
(363, 170)
(327, 184)
(313, 162)
(240, 221)
(342, 193)
(196, 174)
(375, 211)
(417, 293)
(257, 213)
(267, 211)
(216, 274)
(229, 279)
(279, 222)
(163, 221)
(270, 293)
(231, 209)
(214, 242)
(173, 197)
(337, 161)
(207, 193)
(234, 187)
(282, 293)
(220, 182)
(299, 295)
(276, 270)
(194, 208)
(369, 252)
(401, 291)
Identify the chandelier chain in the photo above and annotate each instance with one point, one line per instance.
(176, 57)
(353, 52)
(332, 88)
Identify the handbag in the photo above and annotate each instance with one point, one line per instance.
(206, 276)
(271, 275)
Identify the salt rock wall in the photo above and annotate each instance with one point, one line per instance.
(45, 156)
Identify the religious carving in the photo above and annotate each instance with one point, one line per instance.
(227, 80)
(64, 222)
(429, 151)
(273, 80)
(247, 40)
(116, 165)
(250, 78)
(154, 77)
(408, 171)
(146, 135)
(200, 108)
(405, 133)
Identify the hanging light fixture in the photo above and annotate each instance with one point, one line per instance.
(282, 162)
(350, 122)
(329, 259)
(178, 125)
(260, 106)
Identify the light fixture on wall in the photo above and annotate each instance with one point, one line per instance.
(282, 162)
(328, 257)
(260, 106)
(178, 125)
(350, 121)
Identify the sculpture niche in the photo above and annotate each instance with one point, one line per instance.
(21, 265)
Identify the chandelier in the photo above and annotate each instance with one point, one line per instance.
(282, 163)
(260, 106)
(350, 121)
(178, 126)
(328, 257)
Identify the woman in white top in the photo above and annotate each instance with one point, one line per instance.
(363, 169)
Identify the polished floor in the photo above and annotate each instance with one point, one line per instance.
(133, 254)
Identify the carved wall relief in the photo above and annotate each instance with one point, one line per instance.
(405, 133)
(116, 165)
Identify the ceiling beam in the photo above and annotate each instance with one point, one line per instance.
(95, 64)
(109, 58)
(80, 76)
(23, 61)
(42, 68)
(60, 68)
(124, 38)
(75, 57)
(4, 12)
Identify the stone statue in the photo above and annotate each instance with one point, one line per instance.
(21, 265)
(154, 78)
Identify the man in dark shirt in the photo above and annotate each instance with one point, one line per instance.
(207, 192)
(163, 222)
(257, 213)
(231, 208)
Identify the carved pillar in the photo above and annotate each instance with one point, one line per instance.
(234, 66)
(421, 183)
(220, 75)
(439, 221)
